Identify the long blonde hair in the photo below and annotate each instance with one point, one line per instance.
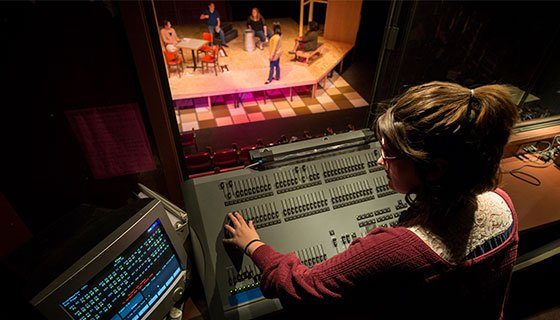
(468, 128)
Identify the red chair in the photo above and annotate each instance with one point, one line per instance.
(189, 139)
(226, 158)
(198, 162)
(173, 59)
(206, 36)
(211, 57)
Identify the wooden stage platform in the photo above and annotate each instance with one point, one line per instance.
(249, 70)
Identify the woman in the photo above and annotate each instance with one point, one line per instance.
(275, 53)
(309, 41)
(452, 254)
(256, 22)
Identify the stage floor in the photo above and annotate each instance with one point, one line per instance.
(336, 95)
(249, 70)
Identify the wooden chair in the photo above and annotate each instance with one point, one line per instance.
(211, 57)
(173, 59)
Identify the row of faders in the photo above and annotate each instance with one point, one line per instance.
(312, 255)
(244, 279)
(296, 178)
(343, 168)
(371, 159)
(304, 205)
(382, 187)
(238, 191)
(350, 194)
(263, 215)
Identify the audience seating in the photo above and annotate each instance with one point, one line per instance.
(198, 162)
(226, 158)
(243, 154)
(283, 140)
(188, 139)
(213, 162)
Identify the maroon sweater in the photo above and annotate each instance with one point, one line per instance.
(391, 274)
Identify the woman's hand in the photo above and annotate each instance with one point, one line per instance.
(242, 233)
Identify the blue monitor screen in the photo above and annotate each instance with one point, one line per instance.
(132, 284)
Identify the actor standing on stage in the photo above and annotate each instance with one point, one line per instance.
(275, 53)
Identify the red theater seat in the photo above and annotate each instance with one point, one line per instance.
(198, 162)
(244, 154)
(189, 139)
(226, 158)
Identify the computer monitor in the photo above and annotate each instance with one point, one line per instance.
(137, 272)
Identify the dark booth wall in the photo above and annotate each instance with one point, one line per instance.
(62, 56)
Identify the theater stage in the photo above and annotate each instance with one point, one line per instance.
(246, 76)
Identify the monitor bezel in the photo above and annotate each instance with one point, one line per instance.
(48, 300)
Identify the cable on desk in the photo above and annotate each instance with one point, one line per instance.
(527, 177)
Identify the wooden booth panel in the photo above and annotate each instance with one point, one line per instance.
(343, 20)
(536, 206)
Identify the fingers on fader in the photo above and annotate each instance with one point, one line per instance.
(233, 219)
(229, 228)
(240, 218)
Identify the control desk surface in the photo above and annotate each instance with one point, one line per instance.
(312, 198)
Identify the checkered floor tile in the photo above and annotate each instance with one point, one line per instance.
(336, 94)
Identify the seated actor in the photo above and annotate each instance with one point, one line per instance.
(212, 17)
(309, 41)
(169, 36)
(257, 23)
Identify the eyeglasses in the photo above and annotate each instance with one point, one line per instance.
(386, 159)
